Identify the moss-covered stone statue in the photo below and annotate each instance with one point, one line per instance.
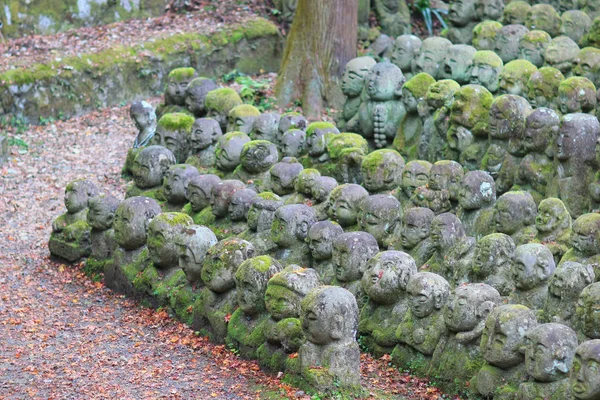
(173, 132)
(381, 216)
(320, 243)
(543, 17)
(514, 77)
(492, 262)
(462, 18)
(290, 120)
(457, 357)
(100, 218)
(501, 342)
(431, 57)
(532, 268)
(549, 353)
(587, 64)
(583, 379)
(317, 135)
(351, 252)
(382, 170)
(575, 24)
(356, 73)
(415, 234)
(289, 231)
(486, 70)
(246, 328)
(228, 150)
(71, 235)
(256, 158)
(330, 358)
(177, 83)
(346, 152)
(202, 142)
(507, 41)
(213, 308)
(193, 243)
(321, 190)
(585, 242)
(293, 143)
(532, 46)
(542, 87)
(144, 119)
(515, 12)
(219, 102)
(195, 95)
(484, 35)
(560, 54)
(241, 118)
(566, 284)
(489, 10)
(514, 215)
(303, 185)
(260, 218)
(384, 282)
(436, 119)
(149, 168)
(587, 317)
(283, 175)
(441, 193)
(198, 194)
(344, 204)
(576, 95)
(476, 199)
(406, 48)
(422, 326)
(240, 204)
(414, 175)
(265, 127)
(553, 225)
(458, 62)
(283, 330)
(393, 16)
(175, 186)
(591, 38)
(217, 215)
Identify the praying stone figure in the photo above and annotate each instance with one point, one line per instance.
(408, 137)
(228, 150)
(584, 376)
(344, 204)
(415, 234)
(587, 313)
(289, 231)
(585, 242)
(575, 152)
(195, 95)
(587, 64)
(239, 206)
(501, 342)
(381, 47)
(351, 252)
(346, 151)
(175, 186)
(553, 225)
(256, 158)
(476, 198)
(198, 193)
(414, 175)
(566, 284)
(422, 326)
(431, 57)
(320, 243)
(241, 118)
(514, 77)
(458, 62)
(381, 216)
(321, 190)
(382, 170)
(394, 16)
(492, 262)
(514, 215)
(515, 12)
(330, 357)
(317, 135)
(246, 328)
(406, 48)
(441, 193)
(356, 74)
(507, 41)
(458, 356)
(283, 176)
(561, 53)
(266, 127)
(100, 217)
(543, 17)
(462, 17)
(542, 87)
(290, 120)
(384, 282)
(219, 102)
(486, 70)
(303, 187)
(149, 168)
(532, 46)
(379, 116)
(260, 218)
(549, 353)
(193, 243)
(532, 268)
(144, 119)
(173, 132)
(575, 24)
(283, 330)
(489, 9)
(453, 249)
(177, 83)
(162, 233)
(577, 95)
(293, 143)
(218, 300)
(484, 35)
(217, 215)
(203, 140)
(436, 112)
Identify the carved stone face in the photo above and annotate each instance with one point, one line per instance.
(193, 244)
(492, 251)
(355, 73)
(258, 156)
(484, 34)
(222, 262)
(77, 196)
(262, 211)
(514, 210)
(205, 133)
(150, 166)
(533, 266)
(446, 229)
(283, 176)
(173, 139)
(533, 47)
(560, 54)
(143, 115)
(477, 190)
(588, 307)
(406, 47)
(101, 213)
(585, 237)
(351, 251)
(176, 182)
(576, 95)
(251, 283)
(387, 275)
(583, 379)
(324, 185)
(380, 216)
(265, 127)
(385, 82)
(281, 302)
(316, 139)
(569, 279)
(446, 175)
(381, 170)
(177, 85)
(540, 127)
(320, 239)
(288, 121)
(574, 24)
(440, 93)
(587, 64)
(291, 224)
(240, 204)
(471, 104)
(577, 137)
(504, 334)
(507, 41)
(489, 9)
(306, 181)
(241, 118)
(196, 93)
(199, 191)
(486, 70)
(414, 175)
(221, 195)
(514, 77)
(131, 219)
(162, 233)
(229, 149)
(428, 293)
(542, 87)
(549, 352)
(461, 12)
(416, 226)
(293, 143)
(345, 202)
(515, 13)
(552, 215)
(543, 17)
(468, 305)
(431, 57)
(458, 62)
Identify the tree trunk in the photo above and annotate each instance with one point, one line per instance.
(322, 40)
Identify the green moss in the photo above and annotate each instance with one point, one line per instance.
(166, 289)
(537, 37)
(198, 81)
(144, 282)
(575, 83)
(419, 84)
(222, 100)
(246, 335)
(259, 27)
(346, 140)
(94, 268)
(244, 110)
(375, 159)
(318, 125)
(485, 30)
(182, 74)
(487, 57)
(205, 217)
(176, 121)
(519, 68)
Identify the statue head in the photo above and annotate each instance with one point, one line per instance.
(492, 252)
(162, 233)
(229, 149)
(458, 62)
(560, 54)
(428, 293)
(195, 95)
(414, 175)
(507, 117)
(576, 95)
(471, 108)
(151, 165)
(251, 280)
(515, 12)
(585, 238)
(293, 143)
(542, 87)
(441, 93)
(416, 226)
(222, 262)
(446, 175)
(532, 46)
(173, 132)
(415, 90)
(176, 182)
(431, 57)
(583, 379)
(205, 133)
(484, 35)
(486, 69)
(199, 190)
(533, 266)
(177, 83)
(286, 289)
(290, 120)
(316, 137)
(381, 216)
(543, 17)
(241, 118)
(221, 194)
(261, 214)
(569, 279)
(344, 203)
(219, 102)
(588, 310)
(320, 239)
(478, 190)
(489, 9)
(461, 12)
(193, 243)
(406, 48)
(504, 334)
(577, 137)
(306, 181)
(382, 170)
(514, 77)
(575, 24)
(322, 188)
(351, 252)
(266, 127)
(78, 193)
(385, 82)
(284, 174)
(143, 115)
(291, 224)
(469, 306)
(507, 41)
(355, 75)
(587, 64)
(131, 221)
(387, 276)
(240, 204)
(101, 213)
(446, 231)
(552, 216)
(514, 211)
(258, 156)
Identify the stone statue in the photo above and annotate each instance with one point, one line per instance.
(414, 175)
(507, 41)
(293, 143)
(266, 127)
(441, 193)
(321, 190)
(406, 48)
(317, 135)
(486, 70)
(289, 231)
(532, 268)
(585, 242)
(514, 215)
(415, 234)
(228, 150)
(144, 118)
(344, 204)
(514, 77)
(203, 140)
(560, 54)
(381, 216)
(382, 170)
(575, 24)
(462, 18)
(239, 206)
(553, 225)
(543, 17)
(219, 102)
(195, 95)
(590, 7)
(173, 132)
(330, 357)
(492, 262)
(484, 35)
(241, 118)
(587, 320)
(256, 159)
(501, 343)
(71, 235)
(193, 243)
(394, 16)
(381, 47)
(577, 95)
(216, 216)
(246, 328)
(583, 379)
(566, 284)
(198, 193)
(422, 326)
(149, 168)
(436, 120)
(177, 83)
(431, 57)
(100, 217)
(489, 9)
(260, 217)
(303, 186)
(458, 62)
(476, 199)
(384, 282)
(356, 73)
(162, 233)
(515, 12)
(283, 176)
(346, 151)
(587, 64)
(320, 243)
(351, 252)
(542, 87)
(290, 120)
(175, 186)
(532, 46)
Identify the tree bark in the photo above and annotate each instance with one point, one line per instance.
(322, 40)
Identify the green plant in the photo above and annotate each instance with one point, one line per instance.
(46, 121)
(230, 76)
(425, 8)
